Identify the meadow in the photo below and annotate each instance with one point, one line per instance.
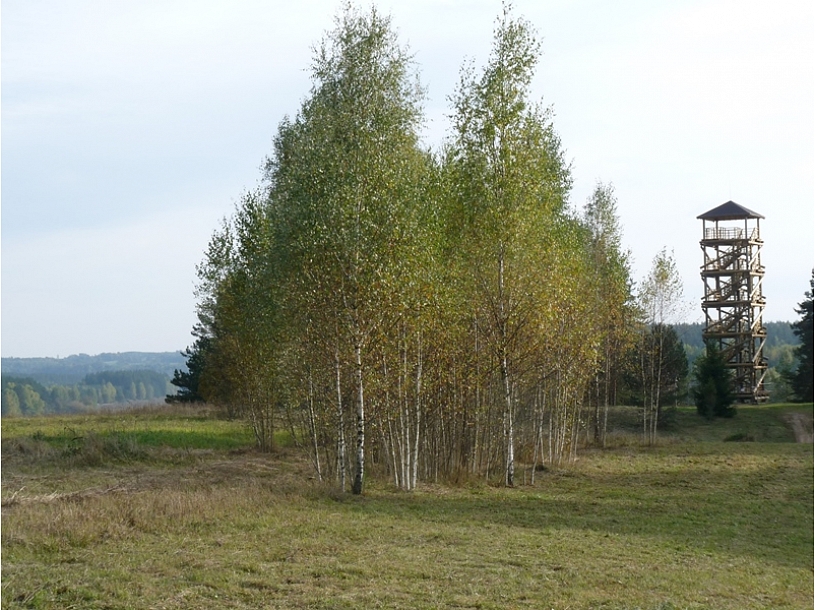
(172, 508)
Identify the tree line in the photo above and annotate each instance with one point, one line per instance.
(27, 396)
(427, 314)
(70, 370)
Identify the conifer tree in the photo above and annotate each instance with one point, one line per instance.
(802, 379)
(714, 394)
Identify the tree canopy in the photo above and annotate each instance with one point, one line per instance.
(420, 313)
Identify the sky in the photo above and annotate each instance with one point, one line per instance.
(128, 129)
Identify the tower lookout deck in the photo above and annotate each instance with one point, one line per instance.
(733, 304)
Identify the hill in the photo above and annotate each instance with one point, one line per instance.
(73, 369)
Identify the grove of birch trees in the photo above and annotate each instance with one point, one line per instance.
(417, 314)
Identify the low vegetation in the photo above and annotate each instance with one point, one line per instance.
(173, 508)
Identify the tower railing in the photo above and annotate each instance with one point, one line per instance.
(730, 233)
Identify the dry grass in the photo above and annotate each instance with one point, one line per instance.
(681, 525)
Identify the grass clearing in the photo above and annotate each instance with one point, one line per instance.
(687, 524)
(175, 428)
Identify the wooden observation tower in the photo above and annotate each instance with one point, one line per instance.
(733, 303)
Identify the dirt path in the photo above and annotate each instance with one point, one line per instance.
(802, 424)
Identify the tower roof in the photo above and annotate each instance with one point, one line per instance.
(729, 211)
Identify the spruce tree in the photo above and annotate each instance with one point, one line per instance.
(802, 378)
(714, 395)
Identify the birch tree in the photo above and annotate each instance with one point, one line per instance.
(611, 295)
(512, 181)
(660, 297)
(345, 177)
(240, 319)
(415, 315)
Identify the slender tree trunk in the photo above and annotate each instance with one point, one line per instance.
(393, 452)
(402, 410)
(417, 412)
(359, 470)
(539, 437)
(607, 371)
(505, 372)
(508, 405)
(341, 434)
(597, 418)
(550, 448)
(656, 409)
(313, 428)
(478, 443)
(646, 389)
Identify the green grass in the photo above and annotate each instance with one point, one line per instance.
(760, 423)
(686, 524)
(174, 428)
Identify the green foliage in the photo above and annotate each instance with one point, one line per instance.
(11, 402)
(614, 305)
(802, 379)
(778, 379)
(648, 355)
(509, 185)
(713, 394)
(23, 396)
(431, 307)
(188, 381)
(661, 292)
(130, 385)
(660, 297)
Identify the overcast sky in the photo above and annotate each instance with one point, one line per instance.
(130, 128)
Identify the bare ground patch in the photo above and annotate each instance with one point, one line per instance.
(802, 424)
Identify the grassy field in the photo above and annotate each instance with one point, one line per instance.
(158, 509)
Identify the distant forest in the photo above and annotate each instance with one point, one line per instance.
(28, 396)
(73, 369)
(781, 340)
(36, 386)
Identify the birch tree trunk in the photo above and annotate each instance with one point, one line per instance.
(313, 428)
(359, 469)
(341, 425)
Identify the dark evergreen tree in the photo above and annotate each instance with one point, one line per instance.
(801, 379)
(714, 394)
(187, 381)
